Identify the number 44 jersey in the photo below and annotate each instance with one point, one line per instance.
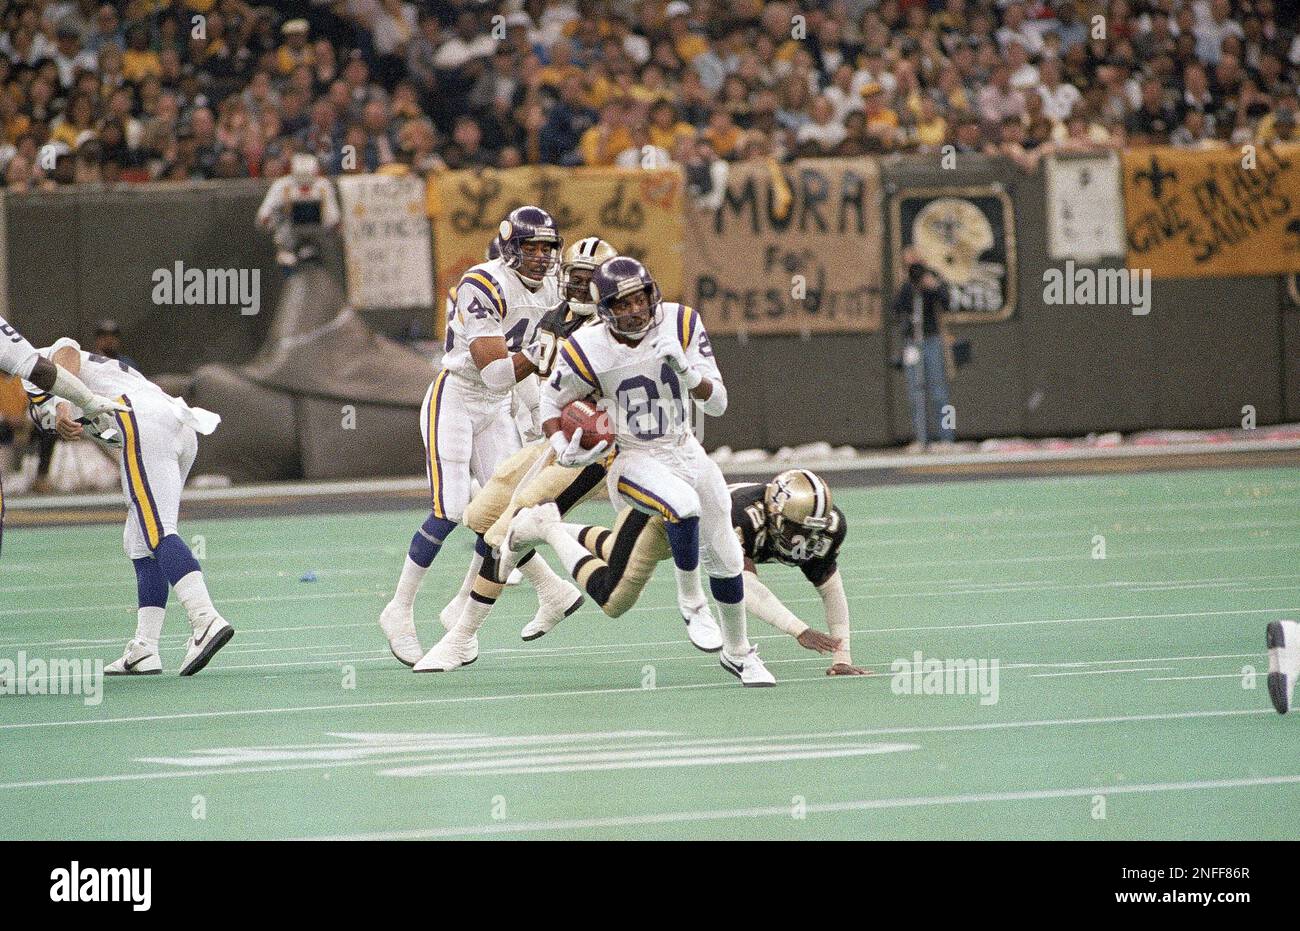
(492, 301)
(647, 403)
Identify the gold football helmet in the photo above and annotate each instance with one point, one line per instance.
(799, 513)
(578, 264)
(951, 234)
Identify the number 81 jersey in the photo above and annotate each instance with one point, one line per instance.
(492, 301)
(647, 402)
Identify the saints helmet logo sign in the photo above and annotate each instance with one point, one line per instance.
(966, 236)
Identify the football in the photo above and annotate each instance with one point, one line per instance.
(593, 421)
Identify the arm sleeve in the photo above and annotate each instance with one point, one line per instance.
(271, 205)
(17, 356)
(478, 309)
(699, 353)
(760, 602)
(563, 386)
(836, 604)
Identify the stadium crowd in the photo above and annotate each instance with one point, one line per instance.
(142, 90)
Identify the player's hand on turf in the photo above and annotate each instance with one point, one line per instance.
(670, 350)
(572, 455)
(101, 405)
(844, 669)
(67, 428)
(816, 640)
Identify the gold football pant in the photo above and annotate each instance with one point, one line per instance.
(525, 478)
(622, 559)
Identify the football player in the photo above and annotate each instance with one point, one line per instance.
(19, 357)
(789, 520)
(155, 437)
(532, 475)
(466, 418)
(652, 361)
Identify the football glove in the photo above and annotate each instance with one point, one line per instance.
(570, 454)
(670, 350)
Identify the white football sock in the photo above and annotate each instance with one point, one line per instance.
(193, 593)
(149, 625)
(573, 530)
(735, 639)
(475, 565)
(570, 551)
(409, 584)
(689, 590)
(539, 575)
(472, 617)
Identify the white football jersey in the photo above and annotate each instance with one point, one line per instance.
(492, 301)
(647, 403)
(17, 356)
(107, 377)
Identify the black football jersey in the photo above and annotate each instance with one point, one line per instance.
(749, 517)
(561, 321)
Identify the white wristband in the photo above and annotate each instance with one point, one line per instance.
(499, 374)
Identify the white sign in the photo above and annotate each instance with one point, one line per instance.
(1085, 209)
(386, 242)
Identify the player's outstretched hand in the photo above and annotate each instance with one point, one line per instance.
(816, 640)
(572, 455)
(844, 669)
(102, 405)
(670, 350)
(65, 426)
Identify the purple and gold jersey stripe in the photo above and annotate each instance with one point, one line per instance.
(488, 285)
(687, 321)
(435, 465)
(644, 496)
(578, 361)
(137, 480)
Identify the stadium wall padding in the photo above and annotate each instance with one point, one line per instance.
(1208, 347)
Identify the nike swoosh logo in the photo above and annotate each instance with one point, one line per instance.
(129, 666)
(200, 639)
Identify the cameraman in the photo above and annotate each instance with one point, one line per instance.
(916, 308)
(299, 210)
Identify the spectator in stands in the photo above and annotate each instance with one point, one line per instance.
(536, 86)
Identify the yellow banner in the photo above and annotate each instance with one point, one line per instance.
(1230, 212)
(789, 249)
(637, 211)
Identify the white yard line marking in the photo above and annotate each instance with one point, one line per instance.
(783, 811)
(1097, 672)
(1222, 675)
(868, 732)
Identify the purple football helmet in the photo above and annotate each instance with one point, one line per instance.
(526, 224)
(622, 277)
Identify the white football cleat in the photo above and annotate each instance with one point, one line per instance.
(453, 651)
(701, 627)
(450, 615)
(555, 604)
(205, 643)
(399, 627)
(1283, 638)
(527, 527)
(749, 669)
(138, 660)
